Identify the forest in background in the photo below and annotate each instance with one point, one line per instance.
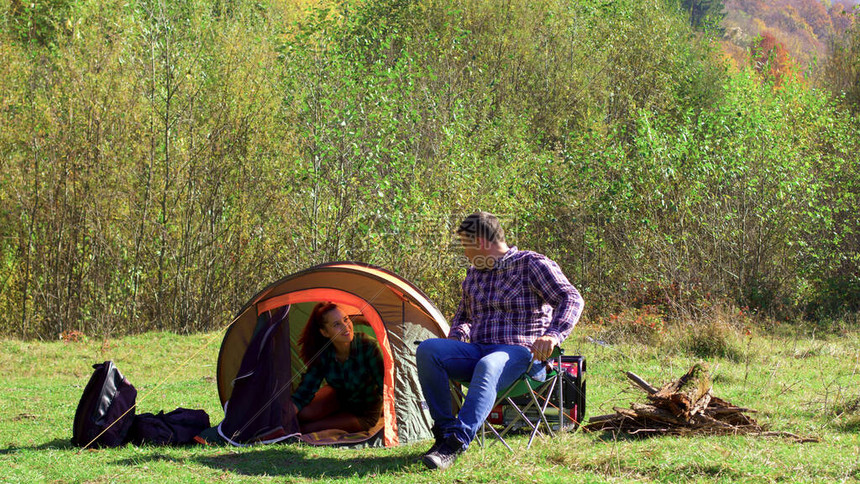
(806, 29)
(161, 162)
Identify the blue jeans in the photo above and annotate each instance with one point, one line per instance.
(488, 367)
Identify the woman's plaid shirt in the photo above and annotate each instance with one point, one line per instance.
(525, 296)
(357, 381)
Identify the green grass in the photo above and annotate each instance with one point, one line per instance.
(803, 384)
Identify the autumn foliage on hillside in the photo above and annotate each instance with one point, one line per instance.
(771, 59)
(803, 28)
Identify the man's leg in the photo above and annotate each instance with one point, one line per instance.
(440, 360)
(486, 367)
(498, 369)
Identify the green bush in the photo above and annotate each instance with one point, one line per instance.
(161, 162)
(714, 339)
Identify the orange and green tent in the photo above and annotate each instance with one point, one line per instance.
(383, 305)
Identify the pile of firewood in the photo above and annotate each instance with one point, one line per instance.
(684, 406)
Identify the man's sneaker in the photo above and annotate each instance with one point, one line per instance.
(434, 448)
(437, 441)
(445, 454)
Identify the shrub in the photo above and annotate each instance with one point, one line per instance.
(640, 326)
(715, 339)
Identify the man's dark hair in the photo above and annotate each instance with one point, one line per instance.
(484, 225)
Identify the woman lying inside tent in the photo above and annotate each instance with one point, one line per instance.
(350, 364)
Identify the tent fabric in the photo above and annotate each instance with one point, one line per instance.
(392, 310)
(265, 369)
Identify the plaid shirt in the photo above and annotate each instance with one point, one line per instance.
(525, 296)
(357, 381)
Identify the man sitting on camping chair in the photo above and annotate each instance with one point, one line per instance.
(517, 306)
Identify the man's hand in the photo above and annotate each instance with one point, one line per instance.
(543, 346)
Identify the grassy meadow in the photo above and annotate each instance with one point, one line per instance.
(800, 381)
(161, 161)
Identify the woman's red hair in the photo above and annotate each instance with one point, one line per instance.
(311, 340)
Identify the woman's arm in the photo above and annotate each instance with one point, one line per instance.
(310, 384)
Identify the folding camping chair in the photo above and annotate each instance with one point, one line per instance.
(530, 400)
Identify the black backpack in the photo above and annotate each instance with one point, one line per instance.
(106, 410)
(172, 428)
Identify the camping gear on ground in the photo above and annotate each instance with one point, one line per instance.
(105, 416)
(380, 303)
(106, 409)
(573, 394)
(550, 398)
(177, 427)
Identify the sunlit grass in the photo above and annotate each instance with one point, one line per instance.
(798, 383)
